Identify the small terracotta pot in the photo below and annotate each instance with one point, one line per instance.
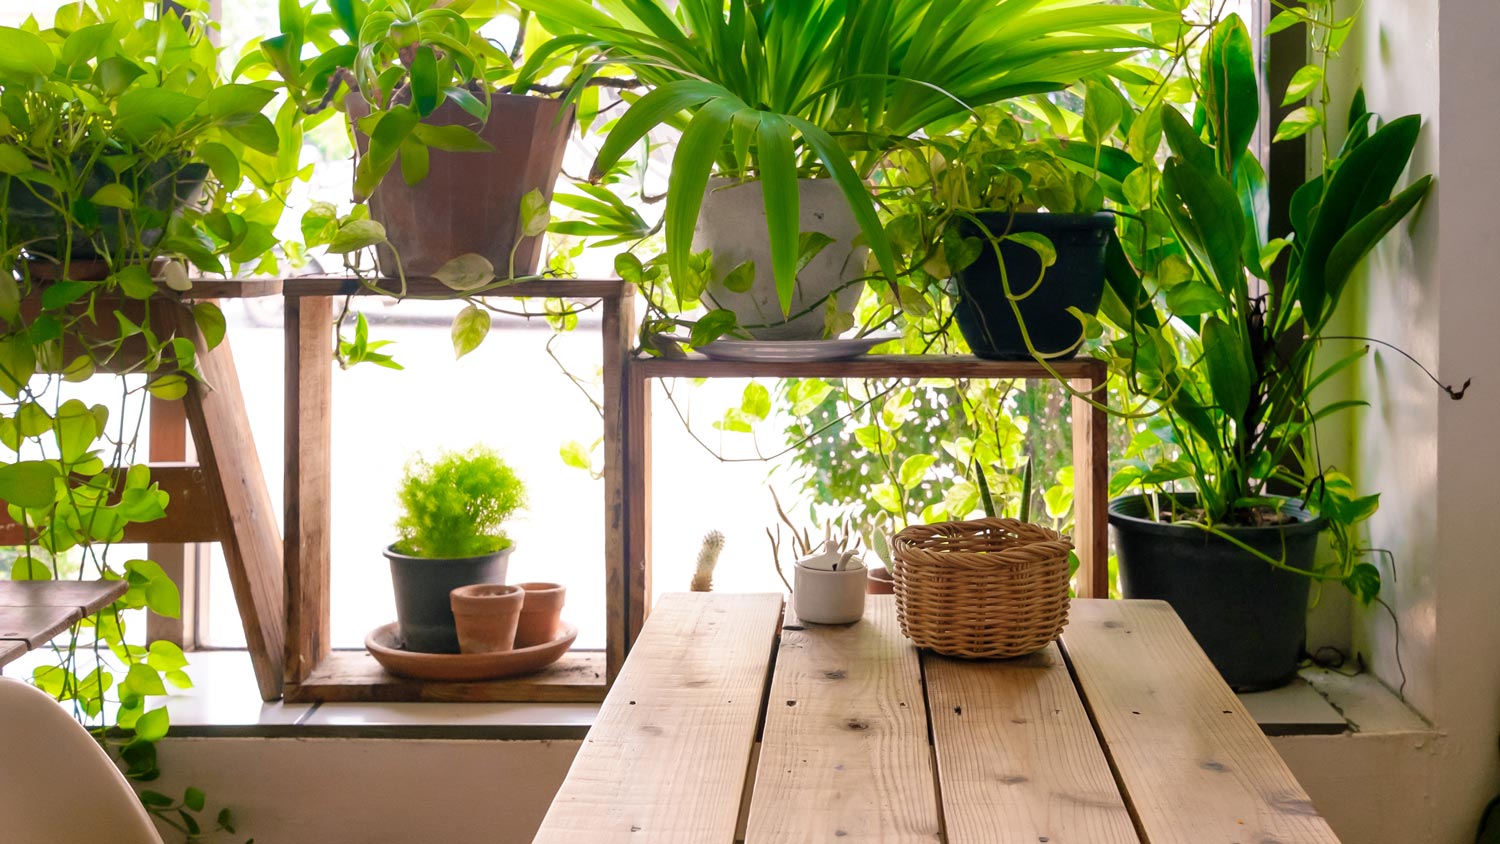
(879, 582)
(541, 614)
(486, 615)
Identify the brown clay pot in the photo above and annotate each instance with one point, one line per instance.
(486, 615)
(471, 201)
(878, 581)
(541, 614)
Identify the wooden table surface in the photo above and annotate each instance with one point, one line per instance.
(32, 612)
(723, 727)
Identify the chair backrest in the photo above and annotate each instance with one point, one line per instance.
(56, 783)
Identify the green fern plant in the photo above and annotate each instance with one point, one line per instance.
(456, 505)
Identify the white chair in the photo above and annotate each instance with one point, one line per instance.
(56, 783)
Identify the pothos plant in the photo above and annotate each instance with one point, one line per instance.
(403, 59)
(124, 159)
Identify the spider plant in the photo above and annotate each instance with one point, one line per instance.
(823, 88)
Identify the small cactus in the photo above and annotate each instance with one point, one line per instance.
(708, 557)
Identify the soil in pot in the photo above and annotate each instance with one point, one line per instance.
(471, 201)
(424, 612)
(732, 225)
(1248, 616)
(984, 314)
(486, 615)
(541, 614)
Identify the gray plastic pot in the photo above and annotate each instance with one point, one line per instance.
(1248, 616)
(424, 613)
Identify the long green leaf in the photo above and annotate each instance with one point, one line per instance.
(778, 177)
(836, 162)
(691, 166)
(647, 113)
(1231, 95)
(1362, 237)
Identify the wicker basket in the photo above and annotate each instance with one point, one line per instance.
(982, 588)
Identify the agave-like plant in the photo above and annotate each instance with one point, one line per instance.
(824, 88)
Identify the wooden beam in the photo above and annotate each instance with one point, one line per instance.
(869, 366)
(844, 753)
(1091, 484)
(193, 515)
(665, 760)
(36, 625)
(308, 487)
(169, 442)
(86, 596)
(1017, 756)
(252, 542)
(355, 676)
(314, 286)
(637, 498)
(616, 337)
(1192, 764)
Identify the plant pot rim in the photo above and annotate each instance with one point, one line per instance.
(542, 587)
(1095, 219)
(393, 555)
(1305, 521)
(487, 592)
(861, 570)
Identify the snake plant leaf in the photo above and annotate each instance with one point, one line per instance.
(1362, 182)
(778, 175)
(1230, 91)
(1362, 237)
(1226, 356)
(691, 165)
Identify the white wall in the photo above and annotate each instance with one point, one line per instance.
(1435, 461)
(372, 791)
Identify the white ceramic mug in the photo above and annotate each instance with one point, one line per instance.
(829, 597)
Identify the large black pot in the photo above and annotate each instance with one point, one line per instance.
(1248, 616)
(424, 616)
(984, 314)
(165, 186)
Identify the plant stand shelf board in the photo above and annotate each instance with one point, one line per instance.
(32, 612)
(1085, 376)
(222, 497)
(1122, 733)
(313, 671)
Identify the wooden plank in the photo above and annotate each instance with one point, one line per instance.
(868, 366)
(251, 542)
(1192, 764)
(193, 515)
(422, 287)
(169, 442)
(1016, 755)
(228, 288)
(637, 499)
(308, 486)
(579, 677)
(665, 761)
(616, 333)
(36, 625)
(86, 596)
(844, 755)
(1091, 486)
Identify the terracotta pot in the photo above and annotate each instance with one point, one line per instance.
(541, 614)
(879, 582)
(471, 201)
(486, 615)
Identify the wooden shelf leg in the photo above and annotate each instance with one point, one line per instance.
(1091, 486)
(169, 444)
(252, 544)
(309, 443)
(638, 499)
(616, 329)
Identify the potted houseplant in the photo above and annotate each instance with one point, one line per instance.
(1223, 356)
(125, 156)
(451, 526)
(427, 94)
(1016, 225)
(789, 108)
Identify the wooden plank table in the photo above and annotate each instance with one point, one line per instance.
(32, 612)
(1122, 732)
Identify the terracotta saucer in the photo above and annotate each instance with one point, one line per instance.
(384, 644)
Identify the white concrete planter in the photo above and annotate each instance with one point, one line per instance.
(733, 225)
(829, 597)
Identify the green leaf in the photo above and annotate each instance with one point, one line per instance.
(1231, 95)
(469, 271)
(451, 138)
(224, 164)
(356, 235)
(168, 387)
(756, 401)
(27, 567)
(779, 192)
(17, 364)
(711, 326)
(691, 165)
(152, 726)
(1303, 83)
(535, 213)
(235, 99)
(1101, 112)
(255, 131)
(1036, 242)
(165, 656)
(23, 53)
(84, 43)
(114, 196)
(142, 680)
(1285, 19)
(13, 162)
(1228, 362)
(1362, 236)
(1364, 582)
(425, 93)
(210, 322)
(76, 428)
(914, 470)
(741, 278)
(135, 281)
(115, 74)
(28, 483)
(470, 328)
(1298, 123)
(577, 455)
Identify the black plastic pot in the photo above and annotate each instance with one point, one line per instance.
(424, 615)
(1077, 280)
(1248, 616)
